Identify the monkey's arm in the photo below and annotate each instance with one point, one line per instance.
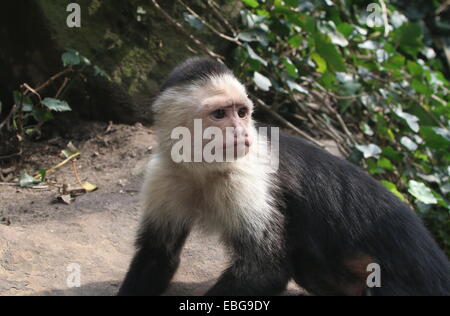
(253, 273)
(155, 262)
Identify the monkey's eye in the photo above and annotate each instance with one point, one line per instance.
(243, 112)
(219, 114)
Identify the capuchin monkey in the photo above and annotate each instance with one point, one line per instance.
(313, 217)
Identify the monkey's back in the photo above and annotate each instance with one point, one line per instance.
(340, 214)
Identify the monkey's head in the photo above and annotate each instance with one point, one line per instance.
(202, 96)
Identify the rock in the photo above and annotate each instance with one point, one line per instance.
(130, 40)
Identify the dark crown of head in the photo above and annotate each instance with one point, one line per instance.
(194, 70)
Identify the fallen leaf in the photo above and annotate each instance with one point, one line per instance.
(67, 199)
(70, 150)
(89, 187)
(70, 190)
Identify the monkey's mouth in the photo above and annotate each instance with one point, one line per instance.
(238, 145)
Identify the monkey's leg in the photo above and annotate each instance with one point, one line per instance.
(250, 279)
(256, 271)
(156, 261)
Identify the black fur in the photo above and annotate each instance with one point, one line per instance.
(194, 70)
(336, 213)
(156, 261)
(336, 220)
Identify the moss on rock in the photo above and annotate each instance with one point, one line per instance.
(128, 39)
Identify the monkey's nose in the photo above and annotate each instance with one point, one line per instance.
(240, 131)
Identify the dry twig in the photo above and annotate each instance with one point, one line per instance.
(210, 27)
(53, 78)
(216, 11)
(75, 172)
(285, 122)
(60, 90)
(76, 155)
(182, 30)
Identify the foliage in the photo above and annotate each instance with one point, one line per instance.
(380, 71)
(31, 111)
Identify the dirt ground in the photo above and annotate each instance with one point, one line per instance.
(40, 237)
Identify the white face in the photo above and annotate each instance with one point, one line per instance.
(216, 115)
(224, 104)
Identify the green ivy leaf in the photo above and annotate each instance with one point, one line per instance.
(413, 121)
(432, 178)
(370, 151)
(393, 188)
(373, 167)
(26, 180)
(320, 62)
(345, 29)
(421, 192)
(30, 131)
(56, 105)
(296, 87)
(71, 58)
(295, 41)
(367, 130)
(100, 72)
(17, 97)
(336, 37)
(386, 164)
(414, 68)
(397, 19)
(395, 63)
(370, 45)
(409, 34)
(262, 82)
(292, 3)
(392, 154)
(282, 28)
(307, 23)
(446, 188)
(408, 143)
(290, 68)
(328, 80)
(434, 137)
(85, 61)
(254, 56)
(262, 13)
(329, 52)
(254, 36)
(444, 133)
(421, 87)
(193, 21)
(251, 3)
(43, 174)
(27, 103)
(42, 115)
